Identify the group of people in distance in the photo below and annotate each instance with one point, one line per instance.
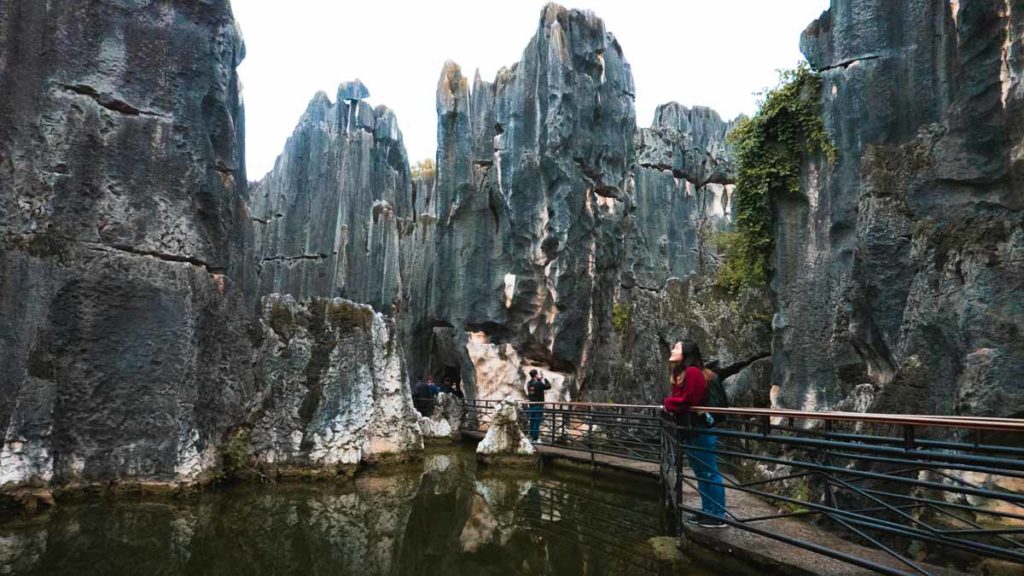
(424, 392)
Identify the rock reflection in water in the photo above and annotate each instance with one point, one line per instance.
(441, 519)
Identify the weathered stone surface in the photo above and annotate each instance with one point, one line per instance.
(327, 215)
(692, 143)
(334, 389)
(444, 422)
(682, 195)
(899, 268)
(546, 210)
(129, 347)
(525, 247)
(123, 258)
(504, 442)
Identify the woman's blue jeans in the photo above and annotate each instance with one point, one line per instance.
(705, 467)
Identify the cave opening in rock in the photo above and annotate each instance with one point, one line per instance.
(442, 359)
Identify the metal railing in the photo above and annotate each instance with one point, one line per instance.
(477, 414)
(890, 483)
(887, 482)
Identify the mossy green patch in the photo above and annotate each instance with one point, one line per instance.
(770, 149)
(622, 317)
(234, 456)
(281, 320)
(346, 315)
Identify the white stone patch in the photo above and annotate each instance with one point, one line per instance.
(510, 289)
(191, 463)
(1006, 76)
(503, 435)
(25, 460)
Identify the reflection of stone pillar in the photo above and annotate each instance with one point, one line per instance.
(444, 422)
(505, 443)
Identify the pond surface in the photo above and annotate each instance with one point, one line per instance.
(440, 517)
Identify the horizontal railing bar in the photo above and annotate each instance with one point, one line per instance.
(877, 524)
(1006, 496)
(939, 458)
(977, 422)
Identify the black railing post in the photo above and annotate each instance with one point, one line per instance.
(908, 437)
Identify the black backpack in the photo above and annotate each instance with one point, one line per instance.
(717, 398)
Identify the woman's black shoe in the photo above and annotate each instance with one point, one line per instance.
(711, 523)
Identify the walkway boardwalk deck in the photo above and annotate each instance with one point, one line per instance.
(772, 556)
(776, 556)
(617, 462)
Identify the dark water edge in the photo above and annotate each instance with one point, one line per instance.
(439, 518)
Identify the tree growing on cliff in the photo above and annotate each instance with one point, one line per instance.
(770, 150)
(424, 170)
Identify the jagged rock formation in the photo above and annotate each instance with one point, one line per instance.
(505, 442)
(333, 387)
(123, 259)
(900, 267)
(682, 195)
(444, 423)
(681, 192)
(327, 215)
(545, 209)
(531, 173)
(129, 346)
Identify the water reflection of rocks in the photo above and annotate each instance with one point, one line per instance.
(442, 519)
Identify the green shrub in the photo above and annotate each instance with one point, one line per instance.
(622, 313)
(234, 455)
(770, 149)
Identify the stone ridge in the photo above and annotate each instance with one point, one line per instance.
(326, 215)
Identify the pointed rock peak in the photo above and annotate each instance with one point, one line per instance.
(317, 107)
(552, 13)
(320, 100)
(451, 87)
(353, 90)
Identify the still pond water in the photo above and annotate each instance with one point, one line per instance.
(440, 518)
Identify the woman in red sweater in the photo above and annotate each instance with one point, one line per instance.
(689, 389)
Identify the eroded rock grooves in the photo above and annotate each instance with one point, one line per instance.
(904, 254)
(124, 264)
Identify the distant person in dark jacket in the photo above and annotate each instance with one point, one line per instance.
(423, 396)
(535, 388)
(689, 389)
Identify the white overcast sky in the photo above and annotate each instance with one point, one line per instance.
(718, 53)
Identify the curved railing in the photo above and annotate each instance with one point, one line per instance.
(886, 482)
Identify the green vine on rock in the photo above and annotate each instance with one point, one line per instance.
(770, 150)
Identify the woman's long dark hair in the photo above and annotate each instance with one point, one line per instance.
(691, 357)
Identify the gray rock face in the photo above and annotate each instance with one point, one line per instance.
(682, 195)
(899, 269)
(123, 257)
(327, 216)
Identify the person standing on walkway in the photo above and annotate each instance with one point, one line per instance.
(535, 388)
(689, 389)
